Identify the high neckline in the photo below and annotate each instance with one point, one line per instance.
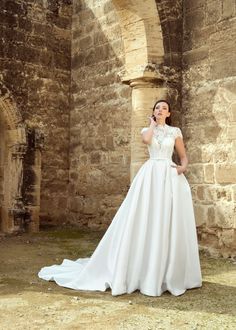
(160, 126)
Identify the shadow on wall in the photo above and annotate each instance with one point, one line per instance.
(100, 117)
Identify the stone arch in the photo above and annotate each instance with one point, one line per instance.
(142, 36)
(16, 132)
(14, 211)
(9, 109)
(144, 53)
(13, 147)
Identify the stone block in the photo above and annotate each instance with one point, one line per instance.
(211, 217)
(225, 173)
(200, 214)
(90, 205)
(232, 113)
(195, 55)
(194, 19)
(85, 42)
(95, 157)
(228, 8)
(85, 16)
(222, 193)
(231, 132)
(222, 68)
(225, 215)
(209, 173)
(233, 189)
(99, 38)
(228, 238)
(75, 204)
(207, 153)
(108, 7)
(200, 192)
(195, 173)
(199, 36)
(111, 18)
(191, 5)
(213, 11)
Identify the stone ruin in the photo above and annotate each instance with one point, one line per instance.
(78, 80)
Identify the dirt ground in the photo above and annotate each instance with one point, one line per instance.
(27, 302)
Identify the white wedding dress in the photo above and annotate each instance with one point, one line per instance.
(151, 244)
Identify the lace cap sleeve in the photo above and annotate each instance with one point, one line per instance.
(143, 129)
(178, 133)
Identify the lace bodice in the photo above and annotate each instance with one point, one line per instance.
(163, 141)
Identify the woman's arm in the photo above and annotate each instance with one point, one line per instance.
(180, 148)
(147, 134)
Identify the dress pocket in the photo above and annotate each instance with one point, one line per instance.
(174, 169)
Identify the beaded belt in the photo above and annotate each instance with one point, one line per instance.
(160, 158)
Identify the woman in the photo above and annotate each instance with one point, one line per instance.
(151, 243)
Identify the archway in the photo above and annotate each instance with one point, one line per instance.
(15, 211)
(144, 52)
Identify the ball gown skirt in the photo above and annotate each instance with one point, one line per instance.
(151, 244)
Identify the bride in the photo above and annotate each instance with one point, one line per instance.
(151, 244)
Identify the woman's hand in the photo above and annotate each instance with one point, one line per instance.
(152, 122)
(147, 135)
(180, 169)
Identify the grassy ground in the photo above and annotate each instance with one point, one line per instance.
(27, 302)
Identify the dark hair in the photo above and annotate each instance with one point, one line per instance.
(168, 120)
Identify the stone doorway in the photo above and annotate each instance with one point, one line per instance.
(20, 169)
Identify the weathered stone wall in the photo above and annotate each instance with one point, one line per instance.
(64, 80)
(100, 116)
(35, 66)
(171, 18)
(208, 118)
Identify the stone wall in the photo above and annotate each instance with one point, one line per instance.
(100, 116)
(35, 66)
(61, 63)
(171, 18)
(208, 118)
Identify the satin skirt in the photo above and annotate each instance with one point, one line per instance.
(151, 244)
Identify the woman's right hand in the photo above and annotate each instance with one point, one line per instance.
(152, 122)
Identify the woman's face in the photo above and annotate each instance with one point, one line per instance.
(161, 110)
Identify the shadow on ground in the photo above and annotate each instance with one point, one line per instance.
(32, 303)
